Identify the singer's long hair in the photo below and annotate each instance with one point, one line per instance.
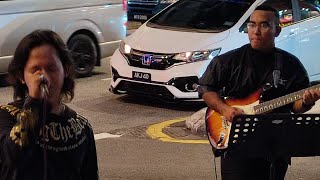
(27, 44)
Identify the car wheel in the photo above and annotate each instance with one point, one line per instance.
(3, 80)
(84, 53)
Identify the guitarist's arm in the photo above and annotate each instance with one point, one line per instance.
(214, 101)
(307, 102)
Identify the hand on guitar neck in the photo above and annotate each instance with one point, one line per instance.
(309, 97)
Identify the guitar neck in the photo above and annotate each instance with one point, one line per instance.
(281, 101)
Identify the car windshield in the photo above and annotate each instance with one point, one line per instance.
(201, 15)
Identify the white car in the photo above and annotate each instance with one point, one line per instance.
(166, 56)
(92, 29)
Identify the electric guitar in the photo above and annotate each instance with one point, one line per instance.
(218, 128)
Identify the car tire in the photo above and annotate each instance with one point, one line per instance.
(4, 80)
(84, 53)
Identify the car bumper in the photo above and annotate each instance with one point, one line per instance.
(175, 83)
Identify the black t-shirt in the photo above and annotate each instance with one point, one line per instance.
(66, 141)
(242, 71)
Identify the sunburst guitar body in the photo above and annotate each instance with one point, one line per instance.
(218, 128)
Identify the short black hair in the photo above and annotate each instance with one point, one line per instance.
(265, 7)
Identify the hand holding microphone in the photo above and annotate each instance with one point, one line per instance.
(43, 86)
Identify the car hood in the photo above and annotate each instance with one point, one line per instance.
(170, 41)
(23, 6)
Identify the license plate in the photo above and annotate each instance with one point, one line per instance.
(140, 17)
(141, 76)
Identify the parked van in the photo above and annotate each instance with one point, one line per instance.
(166, 56)
(92, 29)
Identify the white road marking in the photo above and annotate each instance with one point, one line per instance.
(106, 79)
(105, 135)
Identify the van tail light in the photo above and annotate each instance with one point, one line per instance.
(124, 5)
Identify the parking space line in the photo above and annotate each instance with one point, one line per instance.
(155, 132)
(106, 79)
(105, 135)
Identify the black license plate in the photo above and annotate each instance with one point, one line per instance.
(140, 17)
(141, 76)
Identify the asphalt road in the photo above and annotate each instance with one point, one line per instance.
(126, 151)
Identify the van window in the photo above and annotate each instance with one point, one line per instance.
(201, 15)
(309, 8)
(284, 8)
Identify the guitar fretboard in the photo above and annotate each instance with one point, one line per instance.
(281, 101)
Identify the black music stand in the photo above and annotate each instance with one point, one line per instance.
(275, 135)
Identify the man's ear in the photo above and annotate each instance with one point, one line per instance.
(278, 31)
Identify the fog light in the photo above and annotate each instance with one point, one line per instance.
(191, 88)
(185, 84)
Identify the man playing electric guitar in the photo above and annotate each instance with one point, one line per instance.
(240, 74)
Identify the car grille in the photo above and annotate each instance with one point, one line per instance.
(145, 89)
(143, 2)
(151, 60)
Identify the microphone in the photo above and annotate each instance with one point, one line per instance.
(43, 86)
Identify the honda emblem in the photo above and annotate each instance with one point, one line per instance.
(146, 59)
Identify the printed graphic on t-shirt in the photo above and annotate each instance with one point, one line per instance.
(63, 136)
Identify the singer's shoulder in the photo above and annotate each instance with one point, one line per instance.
(78, 117)
(12, 108)
(83, 120)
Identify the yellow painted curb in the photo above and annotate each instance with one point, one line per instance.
(155, 132)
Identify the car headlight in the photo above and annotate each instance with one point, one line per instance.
(197, 55)
(125, 48)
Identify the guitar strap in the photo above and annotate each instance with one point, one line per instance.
(276, 72)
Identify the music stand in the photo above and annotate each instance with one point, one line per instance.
(275, 135)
